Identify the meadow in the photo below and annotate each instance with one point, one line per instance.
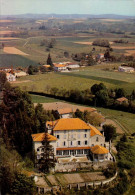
(82, 79)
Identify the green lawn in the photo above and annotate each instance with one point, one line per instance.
(82, 79)
(16, 60)
(127, 120)
(41, 99)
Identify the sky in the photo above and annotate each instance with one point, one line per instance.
(121, 7)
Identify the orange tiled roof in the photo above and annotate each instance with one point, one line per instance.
(70, 124)
(94, 131)
(99, 150)
(47, 66)
(40, 136)
(59, 65)
(122, 99)
(73, 148)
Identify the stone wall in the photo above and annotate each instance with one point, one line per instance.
(74, 166)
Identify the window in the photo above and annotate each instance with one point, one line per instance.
(79, 143)
(38, 150)
(92, 145)
(58, 152)
(64, 143)
(58, 137)
(71, 143)
(85, 130)
(97, 139)
(42, 150)
(86, 142)
(85, 135)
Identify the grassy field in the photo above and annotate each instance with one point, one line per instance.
(41, 99)
(124, 119)
(82, 79)
(6, 60)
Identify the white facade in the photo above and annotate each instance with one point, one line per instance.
(74, 142)
(20, 74)
(126, 69)
(60, 68)
(10, 77)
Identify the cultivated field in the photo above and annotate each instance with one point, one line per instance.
(13, 50)
(3, 21)
(8, 38)
(7, 32)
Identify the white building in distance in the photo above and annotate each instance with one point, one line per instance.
(126, 69)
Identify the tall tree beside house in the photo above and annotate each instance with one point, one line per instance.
(17, 120)
(49, 60)
(109, 132)
(47, 160)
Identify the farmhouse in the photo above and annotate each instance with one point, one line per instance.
(126, 69)
(122, 100)
(73, 137)
(10, 77)
(19, 73)
(59, 67)
(71, 66)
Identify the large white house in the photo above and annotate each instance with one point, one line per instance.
(73, 137)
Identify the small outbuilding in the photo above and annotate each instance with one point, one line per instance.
(99, 153)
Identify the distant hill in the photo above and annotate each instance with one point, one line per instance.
(66, 16)
(6, 60)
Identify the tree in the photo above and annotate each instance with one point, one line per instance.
(3, 80)
(17, 119)
(90, 61)
(30, 70)
(49, 60)
(109, 132)
(11, 179)
(97, 87)
(133, 95)
(66, 54)
(41, 118)
(102, 97)
(23, 185)
(120, 92)
(47, 160)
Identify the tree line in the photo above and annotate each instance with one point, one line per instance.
(97, 95)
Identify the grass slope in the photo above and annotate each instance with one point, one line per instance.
(6, 60)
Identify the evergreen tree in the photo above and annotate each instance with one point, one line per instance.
(17, 119)
(49, 60)
(3, 80)
(47, 160)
